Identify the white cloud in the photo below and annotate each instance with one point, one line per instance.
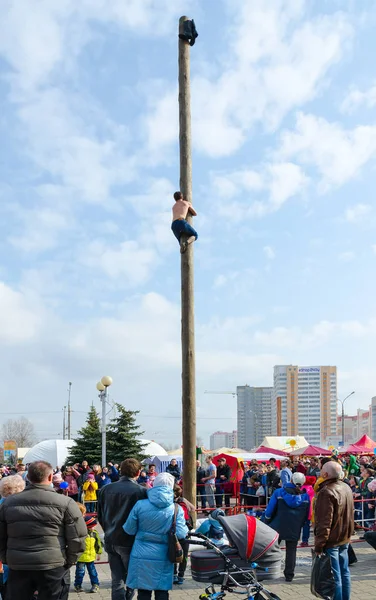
(357, 212)
(337, 154)
(277, 181)
(220, 281)
(270, 70)
(63, 29)
(128, 261)
(346, 256)
(40, 227)
(19, 320)
(355, 99)
(317, 334)
(269, 252)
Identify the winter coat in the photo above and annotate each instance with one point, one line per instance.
(353, 468)
(113, 474)
(363, 488)
(174, 471)
(72, 483)
(313, 471)
(102, 479)
(308, 489)
(334, 515)
(200, 473)
(150, 521)
(212, 529)
(115, 502)
(286, 475)
(287, 511)
(93, 546)
(90, 490)
(40, 530)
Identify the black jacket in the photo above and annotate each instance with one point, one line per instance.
(115, 502)
(273, 479)
(226, 471)
(174, 471)
(40, 530)
(200, 473)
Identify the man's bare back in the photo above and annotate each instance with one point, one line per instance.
(180, 210)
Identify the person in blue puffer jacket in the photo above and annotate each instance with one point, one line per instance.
(150, 521)
(287, 512)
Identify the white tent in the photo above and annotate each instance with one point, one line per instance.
(152, 448)
(53, 451)
(161, 462)
(283, 442)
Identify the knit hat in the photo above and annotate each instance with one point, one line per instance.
(91, 476)
(90, 522)
(218, 512)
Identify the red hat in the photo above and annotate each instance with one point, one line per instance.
(310, 479)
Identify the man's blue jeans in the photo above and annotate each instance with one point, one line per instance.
(341, 571)
(80, 573)
(180, 227)
(306, 531)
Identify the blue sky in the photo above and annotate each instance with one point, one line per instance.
(284, 137)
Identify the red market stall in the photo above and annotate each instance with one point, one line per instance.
(363, 446)
(237, 462)
(311, 451)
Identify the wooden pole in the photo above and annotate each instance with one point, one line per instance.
(187, 280)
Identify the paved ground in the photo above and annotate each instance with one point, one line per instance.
(363, 575)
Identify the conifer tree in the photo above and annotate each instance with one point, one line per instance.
(123, 436)
(88, 443)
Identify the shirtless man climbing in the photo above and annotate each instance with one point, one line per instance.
(179, 225)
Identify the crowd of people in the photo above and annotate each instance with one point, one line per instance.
(48, 519)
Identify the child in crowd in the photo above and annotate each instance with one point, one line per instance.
(143, 479)
(90, 487)
(93, 547)
(212, 528)
(82, 508)
(310, 481)
(152, 474)
(187, 507)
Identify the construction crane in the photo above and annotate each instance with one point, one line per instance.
(233, 394)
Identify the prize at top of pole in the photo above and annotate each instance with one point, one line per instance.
(187, 30)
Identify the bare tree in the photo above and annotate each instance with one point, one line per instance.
(20, 430)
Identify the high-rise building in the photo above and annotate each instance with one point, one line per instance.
(305, 402)
(226, 439)
(372, 410)
(355, 426)
(254, 415)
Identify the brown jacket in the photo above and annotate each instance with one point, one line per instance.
(334, 515)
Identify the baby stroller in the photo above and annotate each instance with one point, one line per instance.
(253, 547)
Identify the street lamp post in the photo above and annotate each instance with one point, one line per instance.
(102, 387)
(343, 417)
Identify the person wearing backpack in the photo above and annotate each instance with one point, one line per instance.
(187, 507)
